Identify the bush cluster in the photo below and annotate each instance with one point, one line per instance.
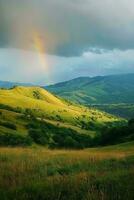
(8, 125)
(57, 137)
(14, 139)
(115, 135)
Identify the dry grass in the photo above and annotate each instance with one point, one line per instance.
(38, 173)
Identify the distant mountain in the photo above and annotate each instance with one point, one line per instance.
(97, 90)
(8, 84)
(121, 110)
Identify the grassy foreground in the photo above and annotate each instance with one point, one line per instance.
(40, 174)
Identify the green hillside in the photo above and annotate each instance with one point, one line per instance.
(32, 114)
(97, 90)
(121, 110)
(51, 107)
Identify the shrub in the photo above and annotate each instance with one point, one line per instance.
(33, 125)
(6, 107)
(29, 114)
(57, 137)
(118, 134)
(11, 139)
(68, 138)
(8, 125)
(131, 122)
(69, 142)
(39, 136)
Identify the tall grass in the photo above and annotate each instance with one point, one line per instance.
(41, 174)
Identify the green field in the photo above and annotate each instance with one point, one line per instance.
(92, 174)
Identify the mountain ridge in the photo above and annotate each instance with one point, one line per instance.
(97, 90)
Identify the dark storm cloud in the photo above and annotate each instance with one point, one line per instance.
(3, 28)
(68, 27)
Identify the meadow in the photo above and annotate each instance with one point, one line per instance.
(37, 173)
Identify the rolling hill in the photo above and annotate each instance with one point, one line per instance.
(47, 119)
(44, 103)
(111, 89)
(121, 110)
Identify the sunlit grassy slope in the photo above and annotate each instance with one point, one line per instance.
(43, 102)
(16, 118)
(13, 118)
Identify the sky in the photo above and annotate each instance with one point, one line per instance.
(48, 41)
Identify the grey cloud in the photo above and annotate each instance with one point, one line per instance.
(68, 27)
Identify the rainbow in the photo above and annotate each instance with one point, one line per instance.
(39, 48)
